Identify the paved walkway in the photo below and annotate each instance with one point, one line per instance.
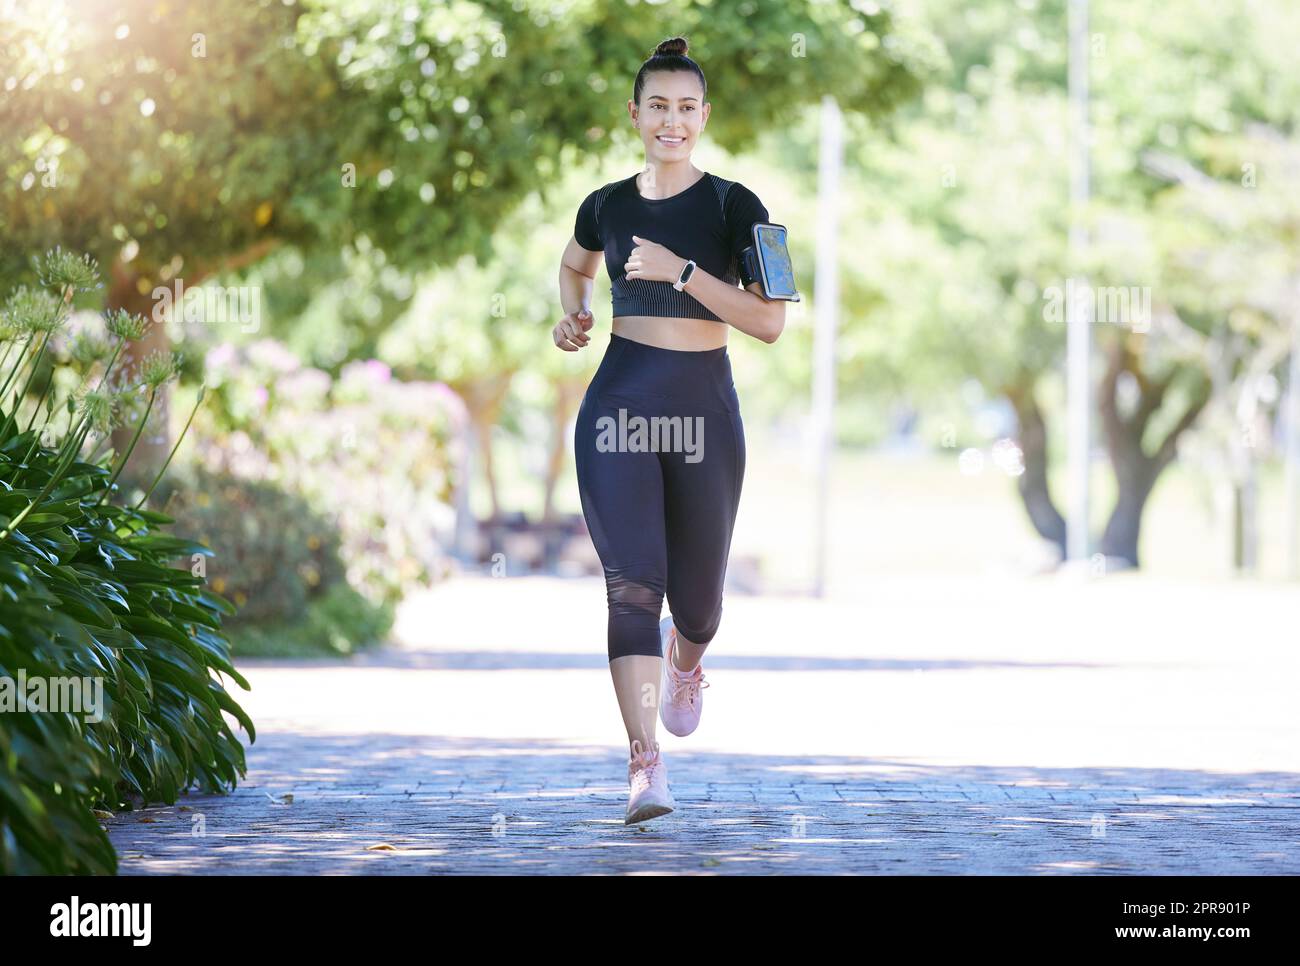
(1004, 727)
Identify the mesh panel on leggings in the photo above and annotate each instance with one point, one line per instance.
(634, 605)
(625, 592)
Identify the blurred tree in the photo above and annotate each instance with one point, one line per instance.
(476, 327)
(963, 209)
(1176, 101)
(1228, 238)
(172, 141)
(183, 140)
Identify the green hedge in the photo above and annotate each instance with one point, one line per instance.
(89, 593)
(279, 560)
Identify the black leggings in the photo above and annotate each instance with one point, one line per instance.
(660, 452)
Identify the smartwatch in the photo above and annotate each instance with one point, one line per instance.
(687, 271)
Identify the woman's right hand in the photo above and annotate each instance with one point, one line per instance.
(570, 333)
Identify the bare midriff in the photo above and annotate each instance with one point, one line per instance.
(692, 335)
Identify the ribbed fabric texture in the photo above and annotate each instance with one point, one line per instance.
(709, 222)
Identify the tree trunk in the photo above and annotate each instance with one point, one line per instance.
(1136, 471)
(1245, 542)
(124, 292)
(483, 433)
(1032, 483)
(568, 393)
(155, 442)
(1120, 539)
(483, 397)
(1245, 479)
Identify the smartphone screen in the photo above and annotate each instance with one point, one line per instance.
(774, 258)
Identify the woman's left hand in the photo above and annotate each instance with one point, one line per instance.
(653, 262)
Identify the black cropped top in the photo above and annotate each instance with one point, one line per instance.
(708, 222)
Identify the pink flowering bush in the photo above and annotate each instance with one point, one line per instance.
(375, 457)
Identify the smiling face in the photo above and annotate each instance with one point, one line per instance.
(671, 116)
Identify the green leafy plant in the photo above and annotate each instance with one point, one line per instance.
(88, 592)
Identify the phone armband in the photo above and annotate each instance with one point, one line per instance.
(767, 261)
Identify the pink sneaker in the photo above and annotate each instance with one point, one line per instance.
(647, 778)
(680, 700)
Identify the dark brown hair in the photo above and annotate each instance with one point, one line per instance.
(669, 55)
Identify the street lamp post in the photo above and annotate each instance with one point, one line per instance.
(1078, 316)
(827, 287)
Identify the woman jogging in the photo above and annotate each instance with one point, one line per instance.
(659, 442)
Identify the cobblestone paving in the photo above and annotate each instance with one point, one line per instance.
(423, 770)
(321, 804)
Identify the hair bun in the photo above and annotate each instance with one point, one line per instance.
(673, 47)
